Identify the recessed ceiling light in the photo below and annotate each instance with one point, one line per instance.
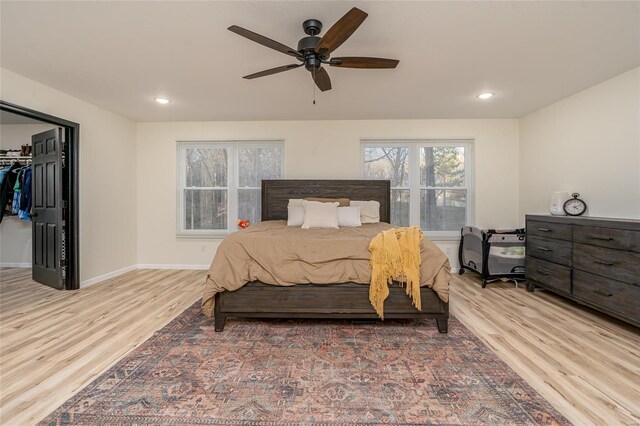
(485, 95)
(162, 101)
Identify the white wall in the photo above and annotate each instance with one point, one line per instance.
(313, 149)
(15, 234)
(107, 173)
(588, 143)
(13, 136)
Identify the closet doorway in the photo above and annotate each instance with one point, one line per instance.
(41, 153)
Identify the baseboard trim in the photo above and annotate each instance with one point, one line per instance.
(171, 266)
(107, 276)
(15, 265)
(114, 274)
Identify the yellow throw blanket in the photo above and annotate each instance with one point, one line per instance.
(395, 254)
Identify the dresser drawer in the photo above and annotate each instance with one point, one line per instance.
(549, 230)
(548, 274)
(617, 264)
(615, 296)
(557, 251)
(607, 237)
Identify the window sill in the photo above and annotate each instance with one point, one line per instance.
(217, 236)
(442, 237)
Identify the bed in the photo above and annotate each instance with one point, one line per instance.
(325, 300)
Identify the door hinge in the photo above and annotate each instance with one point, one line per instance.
(64, 204)
(63, 263)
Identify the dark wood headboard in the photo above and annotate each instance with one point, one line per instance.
(276, 194)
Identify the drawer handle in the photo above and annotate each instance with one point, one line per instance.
(544, 249)
(602, 262)
(543, 272)
(598, 237)
(544, 229)
(602, 293)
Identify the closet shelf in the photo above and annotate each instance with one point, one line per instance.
(11, 157)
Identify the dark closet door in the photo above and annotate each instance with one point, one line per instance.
(47, 208)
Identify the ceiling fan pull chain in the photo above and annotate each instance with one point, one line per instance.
(314, 86)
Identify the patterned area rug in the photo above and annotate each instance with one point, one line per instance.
(277, 372)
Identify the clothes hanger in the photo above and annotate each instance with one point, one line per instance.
(21, 168)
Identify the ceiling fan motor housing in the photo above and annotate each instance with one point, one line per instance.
(306, 47)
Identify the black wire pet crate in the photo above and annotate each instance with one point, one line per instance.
(494, 254)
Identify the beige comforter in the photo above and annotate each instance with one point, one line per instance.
(273, 253)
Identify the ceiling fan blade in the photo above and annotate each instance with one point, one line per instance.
(340, 31)
(272, 71)
(321, 78)
(264, 41)
(363, 62)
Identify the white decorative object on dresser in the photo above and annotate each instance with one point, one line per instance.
(558, 199)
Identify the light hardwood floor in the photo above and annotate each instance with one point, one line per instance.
(54, 343)
(584, 363)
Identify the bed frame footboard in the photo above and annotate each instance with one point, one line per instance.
(326, 301)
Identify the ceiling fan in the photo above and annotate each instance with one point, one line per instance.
(313, 51)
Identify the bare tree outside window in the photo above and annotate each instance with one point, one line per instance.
(211, 193)
(256, 163)
(442, 206)
(391, 163)
(441, 192)
(205, 195)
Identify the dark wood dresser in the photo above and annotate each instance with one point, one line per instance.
(594, 261)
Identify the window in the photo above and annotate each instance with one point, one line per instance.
(431, 182)
(219, 182)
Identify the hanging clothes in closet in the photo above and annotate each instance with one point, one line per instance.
(6, 188)
(24, 212)
(15, 205)
(15, 191)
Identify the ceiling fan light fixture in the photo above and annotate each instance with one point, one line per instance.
(162, 101)
(486, 95)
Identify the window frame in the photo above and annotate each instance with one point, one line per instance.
(233, 182)
(415, 186)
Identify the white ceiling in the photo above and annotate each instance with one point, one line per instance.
(120, 55)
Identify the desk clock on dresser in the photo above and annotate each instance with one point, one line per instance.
(593, 261)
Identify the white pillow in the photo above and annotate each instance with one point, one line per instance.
(369, 210)
(295, 202)
(349, 216)
(320, 215)
(295, 215)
